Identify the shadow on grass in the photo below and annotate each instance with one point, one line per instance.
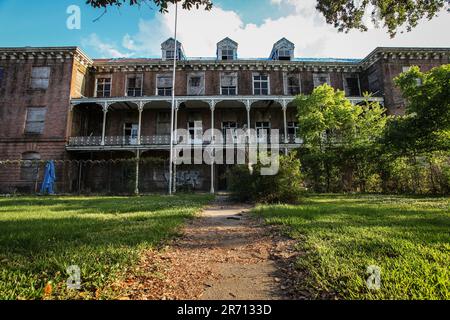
(40, 237)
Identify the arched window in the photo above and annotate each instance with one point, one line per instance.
(30, 166)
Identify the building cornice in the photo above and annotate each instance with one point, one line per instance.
(402, 53)
(60, 54)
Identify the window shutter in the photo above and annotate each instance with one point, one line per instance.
(35, 120)
(40, 77)
(229, 80)
(164, 82)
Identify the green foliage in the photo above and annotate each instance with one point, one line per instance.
(161, 4)
(286, 186)
(340, 236)
(393, 14)
(426, 125)
(41, 236)
(341, 139)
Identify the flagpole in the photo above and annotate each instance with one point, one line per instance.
(173, 101)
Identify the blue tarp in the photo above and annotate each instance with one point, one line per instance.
(49, 178)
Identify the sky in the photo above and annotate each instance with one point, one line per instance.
(255, 24)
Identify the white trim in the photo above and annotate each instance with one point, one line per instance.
(96, 83)
(237, 82)
(268, 83)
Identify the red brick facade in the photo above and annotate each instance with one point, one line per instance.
(69, 65)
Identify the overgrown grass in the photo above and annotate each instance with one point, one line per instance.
(41, 236)
(340, 236)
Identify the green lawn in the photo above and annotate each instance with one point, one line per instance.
(340, 236)
(41, 236)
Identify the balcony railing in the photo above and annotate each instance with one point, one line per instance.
(163, 140)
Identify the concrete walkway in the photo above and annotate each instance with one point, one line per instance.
(223, 254)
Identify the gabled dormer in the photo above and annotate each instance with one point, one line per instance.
(283, 50)
(227, 49)
(168, 50)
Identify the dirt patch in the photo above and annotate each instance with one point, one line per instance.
(223, 254)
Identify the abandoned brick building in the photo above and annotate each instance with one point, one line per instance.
(57, 103)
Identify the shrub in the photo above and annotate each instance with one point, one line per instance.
(286, 186)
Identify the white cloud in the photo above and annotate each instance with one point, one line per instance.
(200, 30)
(106, 50)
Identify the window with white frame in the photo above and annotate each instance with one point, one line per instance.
(261, 84)
(134, 85)
(227, 53)
(169, 54)
(40, 77)
(164, 85)
(228, 84)
(262, 130)
(163, 123)
(320, 79)
(196, 84)
(284, 54)
(229, 131)
(35, 122)
(292, 84)
(195, 127)
(103, 87)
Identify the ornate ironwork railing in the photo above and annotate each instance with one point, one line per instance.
(93, 141)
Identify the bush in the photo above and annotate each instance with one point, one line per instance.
(285, 187)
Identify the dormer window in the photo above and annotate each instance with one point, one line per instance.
(282, 50)
(284, 54)
(227, 53)
(169, 54)
(168, 50)
(227, 49)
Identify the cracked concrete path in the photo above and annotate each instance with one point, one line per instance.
(223, 254)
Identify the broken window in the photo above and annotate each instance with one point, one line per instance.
(29, 168)
(164, 85)
(227, 53)
(103, 88)
(35, 120)
(170, 54)
(196, 84)
(261, 85)
(320, 79)
(284, 54)
(130, 133)
(228, 84)
(374, 82)
(163, 123)
(134, 85)
(229, 131)
(351, 86)
(292, 84)
(195, 128)
(40, 77)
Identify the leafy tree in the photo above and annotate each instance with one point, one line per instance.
(426, 124)
(285, 187)
(340, 139)
(345, 15)
(161, 4)
(393, 14)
